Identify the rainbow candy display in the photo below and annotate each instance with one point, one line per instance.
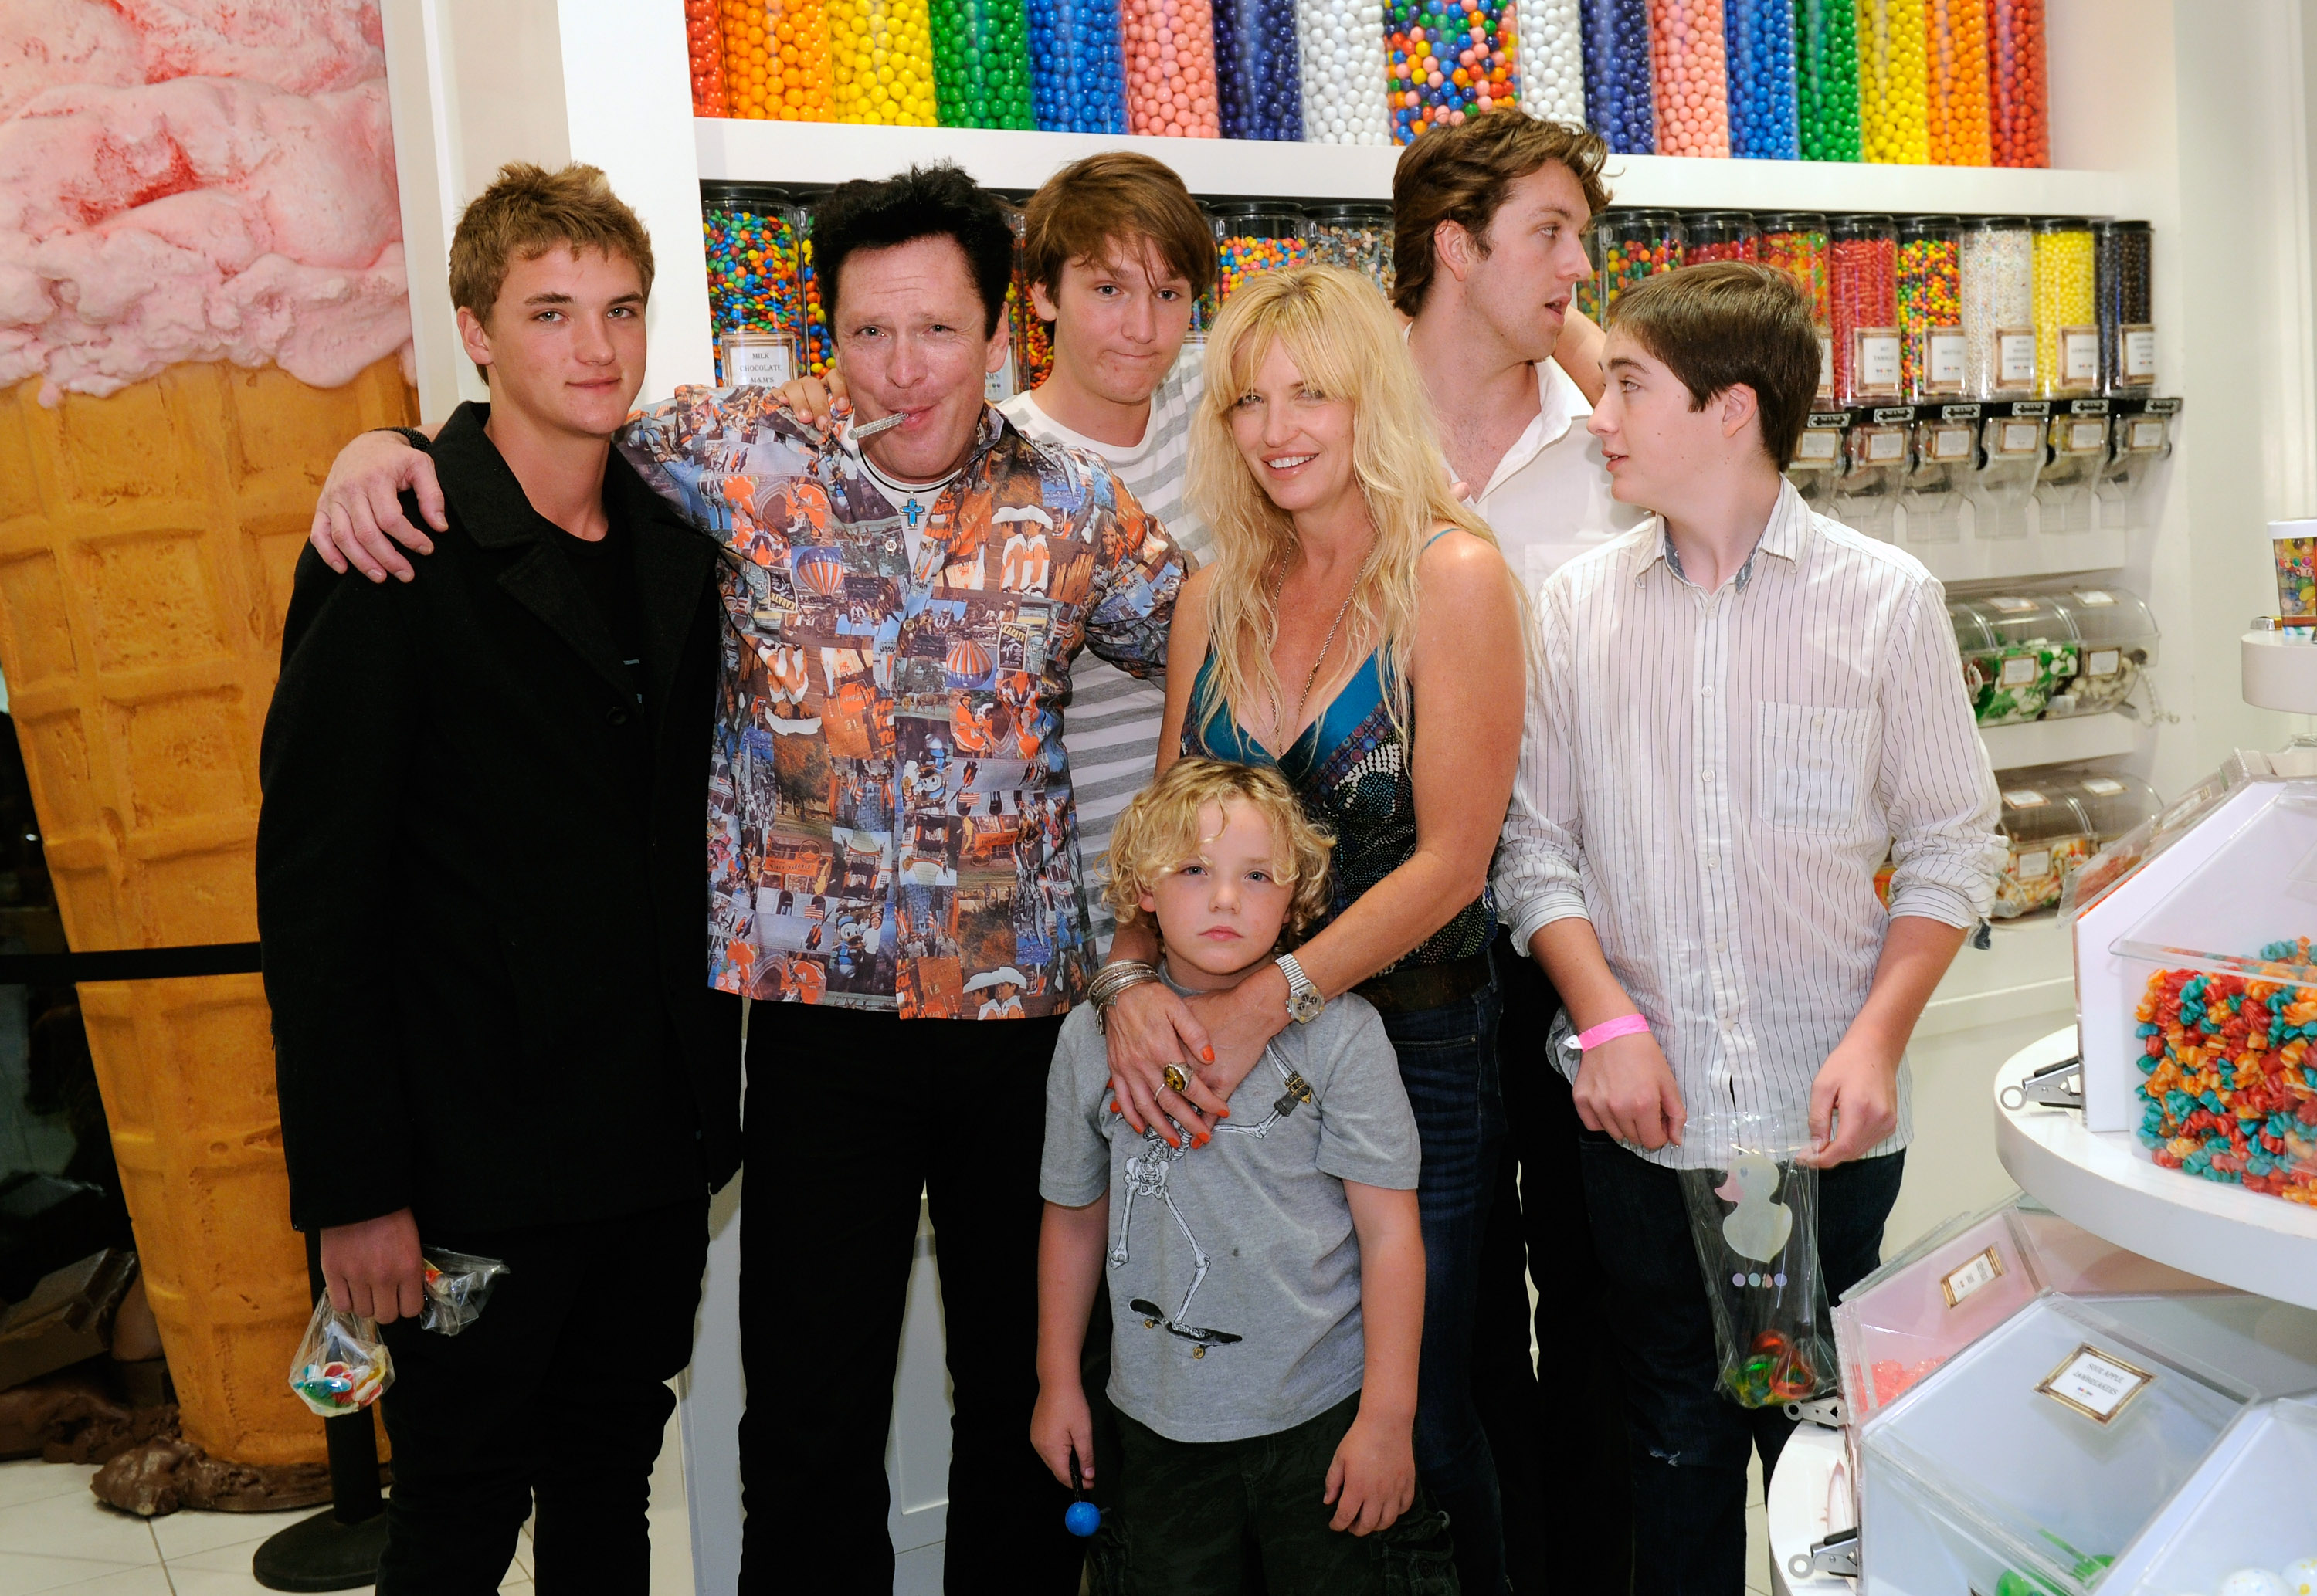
(2231, 1092)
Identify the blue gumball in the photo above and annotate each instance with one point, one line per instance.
(1082, 1519)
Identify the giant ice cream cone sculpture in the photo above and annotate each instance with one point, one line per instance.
(201, 297)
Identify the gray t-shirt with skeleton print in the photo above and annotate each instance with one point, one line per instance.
(1233, 1269)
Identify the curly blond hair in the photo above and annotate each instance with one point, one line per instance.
(1158, 832)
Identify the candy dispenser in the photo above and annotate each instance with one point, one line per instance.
(1690, 76)
(2020, 106)
(2067, 325)
(1719, 235)
(1863, 289)
(1826, 80)
(1634, 245)
(1450, 62)
(2117, 634)
(704, 42)
(2124, 301)
(1077, 72)
(2138, 443)
(777, 62)
(2018, 650)
(1818, 459)
(1922, 1307)
(1759, 45)
(884, 56)
(2063, 491)
(1874, 467)
(1170, 68)
(1259, 83)
(981, 64)
(819, 347)
(1933, 352)
(1957, 80)
(1894, 83)
(1945, 451)
(1617, 93)
(2243, 1513)
(1033, 335)
(1339, 47)
(1552, 61)
(2034, 1455)
(2046, 839)
(1998, 307)
(1356, 236)
(1796, 240)
(2011, 459)
(755, 240)
(1257, 235)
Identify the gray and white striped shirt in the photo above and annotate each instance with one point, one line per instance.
(1110, 721)
(1713, 779)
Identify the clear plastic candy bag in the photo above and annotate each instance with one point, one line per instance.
(1755, 1224)
(341, 1365)
(458, 1286)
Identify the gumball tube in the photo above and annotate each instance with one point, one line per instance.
(1617, 96)
(1077, 72)
(1691, 81)
(2065, 279)
(2019, 105)
(755, 241)
(1826, 80)
(981, 64)
(703, 41)
(1264, 236)
(1760, 38)
(1957, 69)
(1170, 68)
(1258, 87)
(884, 54)
(1552, 61)
(1451, 59)
(776, 60)
(1339, 47)
(1034, 337)
(1893, 82)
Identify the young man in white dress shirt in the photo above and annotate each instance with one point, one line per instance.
(1743, 707)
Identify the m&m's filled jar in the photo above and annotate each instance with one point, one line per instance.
(1339, 48)
(1826, 80)
(981, 64)
(1259, 236)
(2018, 100)
(1862, 285)
(1631, 245)
(1450, 60)
(1258, 86)
(777, 65)
(884, 56)
(1618, 95)
(1552, 61)
(1078, 70)
(2067, 325)
(1957, 62)
(1933, 352)
(1170, 68)
(1893, 82)
(1719, 235)
(1692, 83)
(703, 43)
(755, 240)
(1760, 51)
(1997, 282)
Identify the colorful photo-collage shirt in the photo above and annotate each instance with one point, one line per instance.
(891, 824)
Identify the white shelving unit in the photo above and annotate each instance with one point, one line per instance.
(2062, 740)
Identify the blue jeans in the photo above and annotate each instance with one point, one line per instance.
(1689, 1443)
(1449, 1063)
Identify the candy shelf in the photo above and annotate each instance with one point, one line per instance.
(2060, 741)
(2101, 1181)
(738, 151)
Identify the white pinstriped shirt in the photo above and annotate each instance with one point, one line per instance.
(1713, 779)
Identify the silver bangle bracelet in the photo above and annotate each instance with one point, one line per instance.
(1113, 978)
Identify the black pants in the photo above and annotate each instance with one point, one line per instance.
(558, 1393)
(1555, 1429)
(1689, 1444)
(850, 1116)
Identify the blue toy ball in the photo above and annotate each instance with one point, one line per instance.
(1082, 1518)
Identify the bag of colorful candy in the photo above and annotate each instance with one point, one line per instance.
(341, 1365)
(1755, 1224)
(457, 1285)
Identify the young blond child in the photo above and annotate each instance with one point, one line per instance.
(1267, 1282)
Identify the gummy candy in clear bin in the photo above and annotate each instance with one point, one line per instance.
(458, 1286)
(341, 1365)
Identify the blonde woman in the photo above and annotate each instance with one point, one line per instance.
(1358, 630)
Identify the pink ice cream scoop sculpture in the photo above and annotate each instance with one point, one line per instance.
(195, 182)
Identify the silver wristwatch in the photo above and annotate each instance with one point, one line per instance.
(1303, 999)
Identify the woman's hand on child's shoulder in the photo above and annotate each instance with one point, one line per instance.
(1373, 1479)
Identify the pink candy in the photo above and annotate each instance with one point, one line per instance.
(1170, 68)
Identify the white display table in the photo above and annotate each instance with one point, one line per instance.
(2104, 1183)
(1795, 1505)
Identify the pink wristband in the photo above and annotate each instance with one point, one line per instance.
(1609, 1030)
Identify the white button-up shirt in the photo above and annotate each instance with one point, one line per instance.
(1548, 500)
(1713, 780)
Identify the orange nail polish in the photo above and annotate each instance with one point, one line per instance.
(1208, 1054)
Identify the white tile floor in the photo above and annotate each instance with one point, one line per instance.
(56, 1537)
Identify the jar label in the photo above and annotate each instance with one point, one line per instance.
(2094, 598)
(2012, 606)
(2096, 1384)
(1825, 365)
(2103, 662)
(2034, 863)
(2025, 797)
(757, 360)
(1980, 1270)
(1877, 365)
(2079, 355)
(1884, 445)
(2015, 356)
(1818, 444)
(2140, 354)
(2102, 786)
(2087, 436)
(1944, 364)
(2021, 437)
(2145, 434)
(2018, 671)
(1950, 443)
